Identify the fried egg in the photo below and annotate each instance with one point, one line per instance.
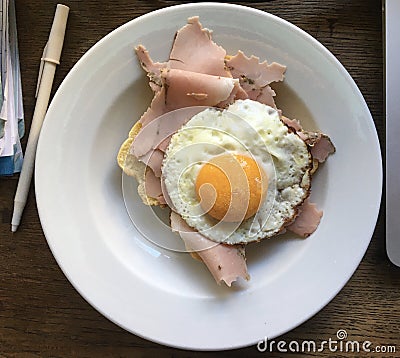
(236, 175)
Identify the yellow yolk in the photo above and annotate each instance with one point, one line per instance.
(231, 187)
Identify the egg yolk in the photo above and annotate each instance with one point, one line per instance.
(230, 187)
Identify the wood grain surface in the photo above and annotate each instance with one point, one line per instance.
(41, 314)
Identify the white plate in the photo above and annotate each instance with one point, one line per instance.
(168, 297)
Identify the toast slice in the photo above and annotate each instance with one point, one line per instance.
(133, 167)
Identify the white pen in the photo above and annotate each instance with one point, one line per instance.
(49, 62)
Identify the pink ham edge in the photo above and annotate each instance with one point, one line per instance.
(157, 133)
(237, 93)
(156, 109)
(182, 87)
(193, 50)
(153, 69)
(164, 144)
(261, 73)
(226, 263)
(322, 148)
(292, 123)
(307, 221)
(255, 76)
(153, 159)
(152, 184)
(146, 62)
(319, 143)
(266, 96)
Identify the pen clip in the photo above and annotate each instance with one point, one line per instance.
(39, 80)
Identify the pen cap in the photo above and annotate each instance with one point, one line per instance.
(57, 32)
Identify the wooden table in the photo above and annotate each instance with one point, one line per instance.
(41, 314)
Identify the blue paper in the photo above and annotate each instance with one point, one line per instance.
(12, 126)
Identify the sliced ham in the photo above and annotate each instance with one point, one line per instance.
(319, 143)
(153, 69)
(307, 221)
(152, 184)
(164, 143)
(255, 76)
(193, 50)
(153, 159)
(146, 62)
(157, 133)
(226, 263)
(187, 88)
(292, 123)
(322, 148)
(266, 96)
(237, 93)
(258, 73)
(156, 109)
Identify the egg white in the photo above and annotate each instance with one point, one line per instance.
(245, 127)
